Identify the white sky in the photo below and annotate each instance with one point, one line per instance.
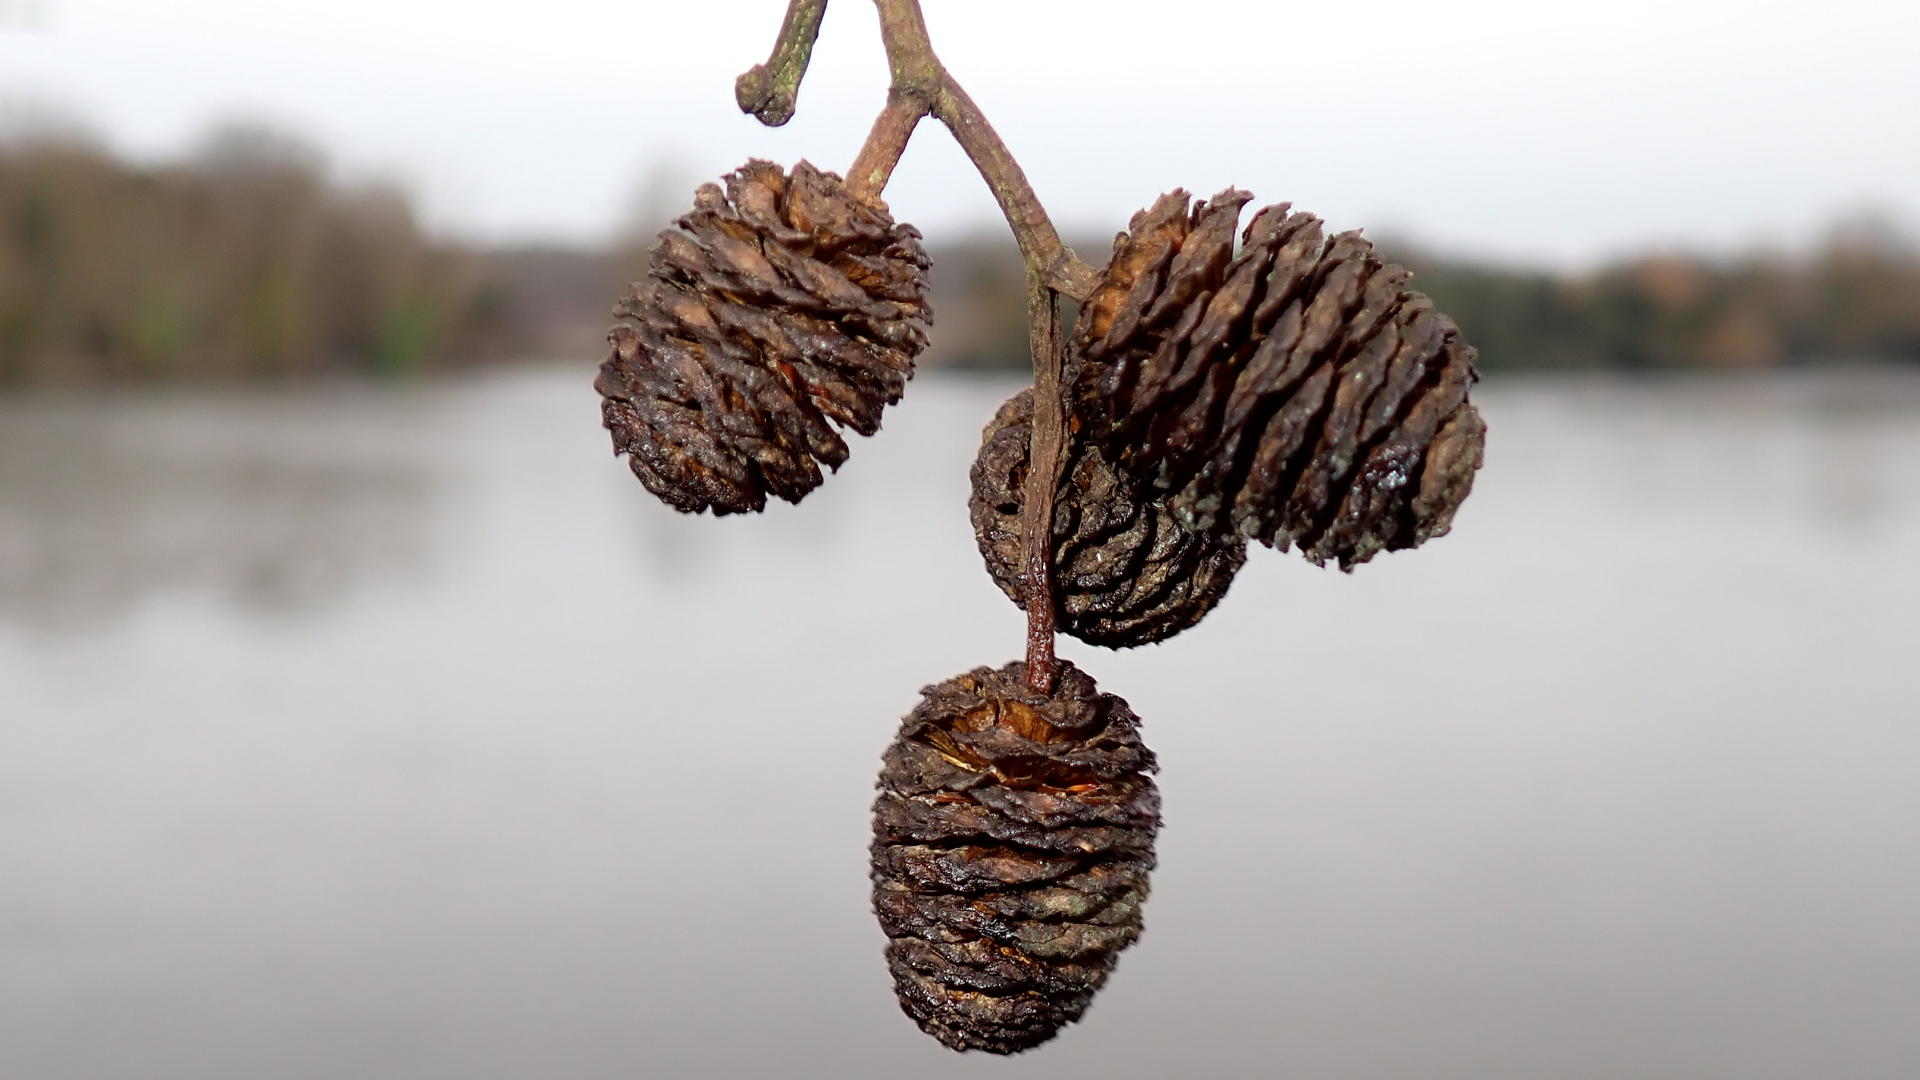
(1529, 130)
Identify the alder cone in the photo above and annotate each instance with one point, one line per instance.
(1012, 841)
(1293, 392)
(776, 306)
(1126, 572)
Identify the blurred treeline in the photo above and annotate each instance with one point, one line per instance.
(248, 260)
(1855, 297)
(244, 261)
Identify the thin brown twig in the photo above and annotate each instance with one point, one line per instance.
(868, 175)
(922, 86)
(1046, 456)
(769, 90)
(917, 71)
(1060, 269)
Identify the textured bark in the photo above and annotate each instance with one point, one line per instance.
(1125, 571)
(776, 306)
(1046, 463)
(769, 90)
(1013, 837)
(1294, 391)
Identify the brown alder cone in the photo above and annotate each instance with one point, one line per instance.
(775, 306)
(1012, 840)
(1294, 392)
(1125, 572)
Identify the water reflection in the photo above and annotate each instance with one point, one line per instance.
(529, 776)
(275, 502)
(1833, 451)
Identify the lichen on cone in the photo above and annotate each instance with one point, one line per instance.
(1013, 837)
(1126, 573)
(1295, 391)
(777, 310)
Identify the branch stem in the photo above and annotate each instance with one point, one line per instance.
(769, 90)
(921, 86)
(1046, 456)
(870, 171)
(918, 73)
(1060, 269)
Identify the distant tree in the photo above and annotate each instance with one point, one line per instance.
(244, 261)
(1855, 297)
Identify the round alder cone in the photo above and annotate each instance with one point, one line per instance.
(775, 306)
(1012, 840)
(1125, 572)
(1294, 392)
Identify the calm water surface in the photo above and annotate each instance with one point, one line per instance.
(368, 734)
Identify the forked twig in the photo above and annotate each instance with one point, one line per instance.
(920, 87)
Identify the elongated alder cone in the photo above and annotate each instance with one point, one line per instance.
(1125, 571)
(1293, 392)
(1012, 840)
(775, 306)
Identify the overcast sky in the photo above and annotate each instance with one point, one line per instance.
(1528, 130)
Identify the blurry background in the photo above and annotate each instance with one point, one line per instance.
(238, 187)
(361, 716)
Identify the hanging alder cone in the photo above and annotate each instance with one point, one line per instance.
(1012, 840)
(1296, 392)
(1125, 572)
(774, 307)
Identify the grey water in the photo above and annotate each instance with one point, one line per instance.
(396, 732)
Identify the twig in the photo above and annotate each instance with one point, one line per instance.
(918, 73)
(868, 175)
(1061, 270)
(769, 90)
(922, 86)
(1046, 455)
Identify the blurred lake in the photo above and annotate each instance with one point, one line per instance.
(397, 732)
